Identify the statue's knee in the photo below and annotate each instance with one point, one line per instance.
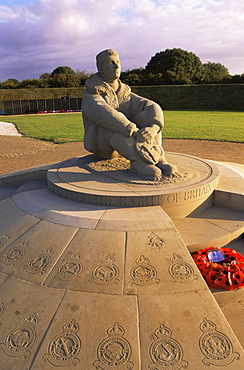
(118, 139)
(125, 146)
(158, 138)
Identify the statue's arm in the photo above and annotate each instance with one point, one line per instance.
(97, 111)
(153, 111)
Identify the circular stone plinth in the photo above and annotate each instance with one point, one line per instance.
(112, 183)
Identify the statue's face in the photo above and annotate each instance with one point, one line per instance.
(111, 68)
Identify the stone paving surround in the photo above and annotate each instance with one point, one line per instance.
(88, 317)
(83, 315)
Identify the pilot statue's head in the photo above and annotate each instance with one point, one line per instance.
(108, 65)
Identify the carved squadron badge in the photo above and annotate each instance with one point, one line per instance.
(39, 264)
(180, 271)
(70, 269)
(166, 352)
(143, 273)
(21, 338)
(4, 239)
(114, 351)
(215, 346)
(155, 242)
(105, 273)
(64, 347)
(11, 256)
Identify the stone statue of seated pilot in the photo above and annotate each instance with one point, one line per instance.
(119, 122)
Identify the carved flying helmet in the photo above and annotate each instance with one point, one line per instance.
(149, 151)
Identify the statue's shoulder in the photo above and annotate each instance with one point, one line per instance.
(124, 92)
(95, 85)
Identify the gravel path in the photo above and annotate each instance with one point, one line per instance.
(18, 152)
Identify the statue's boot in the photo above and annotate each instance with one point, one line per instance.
(166, 168)
(145, 170)
(126, 148)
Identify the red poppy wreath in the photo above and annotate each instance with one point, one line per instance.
(222, 268)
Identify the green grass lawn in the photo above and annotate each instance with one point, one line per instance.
(59, 128)
(204, 125)
(200, 125)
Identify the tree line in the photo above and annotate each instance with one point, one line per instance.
(179, 67)
(170, 67)
(62, 76)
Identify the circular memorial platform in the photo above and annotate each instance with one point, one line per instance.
(112, 183)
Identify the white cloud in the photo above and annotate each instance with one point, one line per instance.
(38, 37)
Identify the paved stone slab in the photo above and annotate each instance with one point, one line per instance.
(70, 213)
(188, 331)
(93, 262)
(217, 226)
(7, 206)
(20, 177)
(13, 225)
(229, 192)
(31, 185)
(34, 201)
(7, 191)
(157, 262)
(92, 331)
(32, 256)
(3, 277)
(231, 177)
(137, 218)
(238, 167)
(114, 287)
(229, 199)
(227, 218)
(224, 297)
(198, 234)
(238, 244)
(25, 317)
(46, 205)
(234, 313)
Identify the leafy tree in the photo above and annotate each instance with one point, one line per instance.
(63, 76)
(10, 83)
(238, 79)
(133, 77)
(45, 76)
(215, 72)
(14, 81)
(83, 75)
(64, 80)
(32, 83)
(177, 66)
(62, 70)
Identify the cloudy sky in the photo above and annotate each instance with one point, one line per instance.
(36, 36)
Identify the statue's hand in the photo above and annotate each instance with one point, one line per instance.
(131, 128)
(147, 133)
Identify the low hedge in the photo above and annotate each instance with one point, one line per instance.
(185, 97)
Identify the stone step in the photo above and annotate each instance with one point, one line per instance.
(217, 226)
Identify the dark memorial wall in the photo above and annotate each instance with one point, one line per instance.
(64, 104)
